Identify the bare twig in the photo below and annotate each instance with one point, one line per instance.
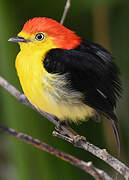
(86, 167)
(113, 162)
(67, 6)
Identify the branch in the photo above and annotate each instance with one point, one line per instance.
(83, 144)
(86, 167)
(100, 153)
(67, 6)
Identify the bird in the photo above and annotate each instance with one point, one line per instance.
(66, 75)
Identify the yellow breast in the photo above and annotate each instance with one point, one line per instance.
(32, 75)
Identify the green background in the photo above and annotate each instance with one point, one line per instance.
(103, 21)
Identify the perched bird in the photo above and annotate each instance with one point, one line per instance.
(66, 75)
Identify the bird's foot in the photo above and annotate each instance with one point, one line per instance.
(60, 124)
(78, 138)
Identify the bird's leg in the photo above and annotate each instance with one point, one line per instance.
(76, 138)
(60, 124)
(64, 123)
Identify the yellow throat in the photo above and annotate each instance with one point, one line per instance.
(29, 65)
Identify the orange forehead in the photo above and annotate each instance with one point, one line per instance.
(62, 37)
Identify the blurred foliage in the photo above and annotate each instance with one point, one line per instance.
(19, 161)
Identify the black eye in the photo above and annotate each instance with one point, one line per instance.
(39, 36)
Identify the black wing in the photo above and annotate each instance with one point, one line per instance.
(90, 69)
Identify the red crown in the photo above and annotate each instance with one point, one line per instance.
(62, 36)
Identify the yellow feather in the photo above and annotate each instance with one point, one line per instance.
(44, 90)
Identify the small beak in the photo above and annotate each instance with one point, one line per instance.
(17, 39)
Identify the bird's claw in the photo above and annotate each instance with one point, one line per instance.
(78, 138)
(59, 126)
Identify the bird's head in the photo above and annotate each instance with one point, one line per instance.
(44, 32)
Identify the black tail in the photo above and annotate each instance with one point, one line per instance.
(114, 122)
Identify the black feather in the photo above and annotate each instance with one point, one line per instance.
(90, 70)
